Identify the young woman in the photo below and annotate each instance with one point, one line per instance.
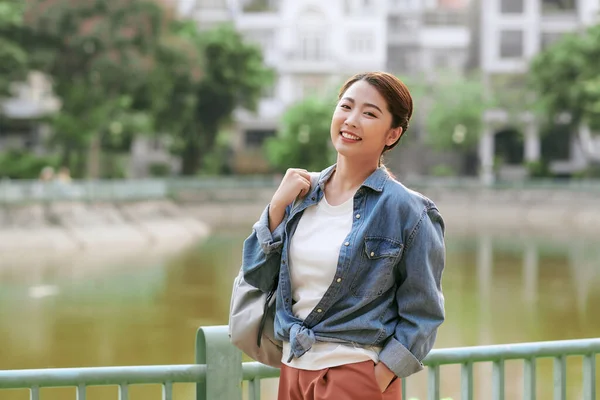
(357, 259)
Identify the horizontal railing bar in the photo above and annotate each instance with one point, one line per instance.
(461, 355)
(100, 376)
(253, 370)
(516, 351)
(191, 373)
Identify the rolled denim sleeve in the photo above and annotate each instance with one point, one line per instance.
(419, 297)
(261, 255)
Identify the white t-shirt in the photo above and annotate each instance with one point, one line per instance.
(314, 253)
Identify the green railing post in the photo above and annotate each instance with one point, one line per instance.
(223, 365)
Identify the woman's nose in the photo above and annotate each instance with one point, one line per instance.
(350, 121)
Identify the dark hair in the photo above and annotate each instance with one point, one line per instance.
(395, 93)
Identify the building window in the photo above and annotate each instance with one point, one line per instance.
(398, 24)
(511, 44)
(445, 17)
(313, 46)
(402, 60)
(256, 137)
(361, 43)
(547, 38)
(558, 6)
(511, 6)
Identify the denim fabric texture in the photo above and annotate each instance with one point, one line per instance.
(387, 290)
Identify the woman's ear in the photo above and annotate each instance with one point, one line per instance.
(394, 135)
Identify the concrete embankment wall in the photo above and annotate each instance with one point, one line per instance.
(76, 225)
(65, 226)
(477, 209)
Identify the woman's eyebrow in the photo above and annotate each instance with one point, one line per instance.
(351, 100)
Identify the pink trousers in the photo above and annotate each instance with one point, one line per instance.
(346, 382)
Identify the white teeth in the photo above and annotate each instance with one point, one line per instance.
(349, 136)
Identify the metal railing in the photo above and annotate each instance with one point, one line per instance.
(219, 371)
(23, 191)
(236, 188)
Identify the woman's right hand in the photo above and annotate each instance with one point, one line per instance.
(296, 182)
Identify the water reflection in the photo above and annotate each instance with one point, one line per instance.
(143, 307)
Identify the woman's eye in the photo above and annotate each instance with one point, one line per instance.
(370, 114)
(347, 107)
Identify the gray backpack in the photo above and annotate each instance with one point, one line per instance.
(252, 317)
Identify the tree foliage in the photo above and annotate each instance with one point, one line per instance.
(565, 78)
(106, 59)
(121, 68)
(233, 76)
(304, 138)
(455, 107)
(13, 57)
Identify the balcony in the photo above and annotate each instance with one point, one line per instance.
(404, 30)
(445, 18)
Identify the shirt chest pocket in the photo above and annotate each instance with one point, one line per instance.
(374, 275)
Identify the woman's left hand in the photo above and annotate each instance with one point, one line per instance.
(383, 375)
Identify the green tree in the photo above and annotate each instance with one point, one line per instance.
(304, 139)
(455, 106)
(98, 54)
(233, 76)
(13, 57)
(170, 88)
(565, 78)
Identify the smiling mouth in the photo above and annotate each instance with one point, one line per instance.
(350, 136)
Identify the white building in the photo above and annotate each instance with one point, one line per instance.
(427, 35)
(512, 33)
(313, 45)
(32, 100)
(207, 13)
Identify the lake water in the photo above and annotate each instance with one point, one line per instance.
(144, 308)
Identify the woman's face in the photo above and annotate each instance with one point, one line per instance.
(361, 123)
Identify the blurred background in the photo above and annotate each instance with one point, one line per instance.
(141, 139)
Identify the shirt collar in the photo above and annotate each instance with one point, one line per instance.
(375, 181)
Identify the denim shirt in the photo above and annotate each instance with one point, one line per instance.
(387, 288)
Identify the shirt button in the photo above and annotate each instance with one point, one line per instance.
(347, 244)
(372, 254)
(357, 216)
(319, 310)
(339, 280)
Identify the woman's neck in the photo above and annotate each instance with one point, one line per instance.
(347, 178)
